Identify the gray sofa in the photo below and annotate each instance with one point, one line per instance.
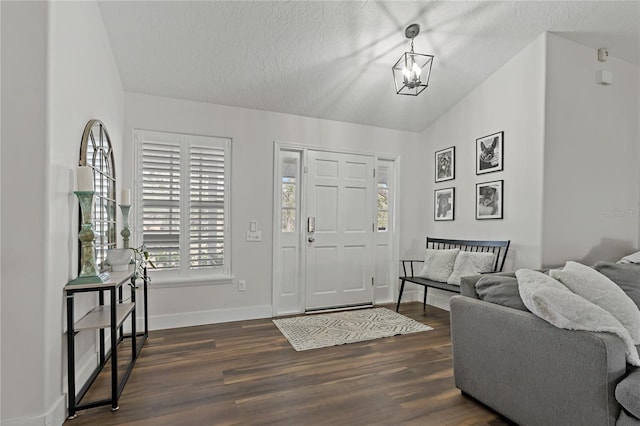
(534, 373)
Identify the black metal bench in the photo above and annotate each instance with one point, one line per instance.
(499, 248)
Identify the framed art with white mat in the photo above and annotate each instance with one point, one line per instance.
(490, 153)
(445, 166)
(489, 200)
(444, 204)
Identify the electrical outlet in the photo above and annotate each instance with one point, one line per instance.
(242, 285)
(254, 235)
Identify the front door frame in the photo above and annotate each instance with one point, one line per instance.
(301, 231)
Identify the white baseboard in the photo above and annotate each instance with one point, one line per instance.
(435, 297)
(438, 298)
(85, 367)
(188, 319)
(55, 416)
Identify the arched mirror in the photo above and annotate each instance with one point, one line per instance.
(97, 153)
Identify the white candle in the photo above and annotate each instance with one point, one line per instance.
(85, 179)
(125, 197)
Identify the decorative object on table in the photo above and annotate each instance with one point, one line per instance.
(444, 204)
(125, 205)
(337, 328)
(489, 153)
(85, 193)
(489, 200)
(119, 258)
(445, 164)
(412, 71)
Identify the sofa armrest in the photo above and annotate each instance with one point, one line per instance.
(531, 371)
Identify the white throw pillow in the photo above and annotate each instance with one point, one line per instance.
(468, 263)
(556, 304)
(531, 277)
(600, 290)
(438, 264)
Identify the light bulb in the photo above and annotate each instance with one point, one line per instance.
(406, 73)
(416, 69)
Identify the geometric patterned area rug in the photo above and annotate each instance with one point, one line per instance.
(337, 328)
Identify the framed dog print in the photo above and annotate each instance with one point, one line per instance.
(445, 164)
(444, 204)
(489, 200)
(489, 153)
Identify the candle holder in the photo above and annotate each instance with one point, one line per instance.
(125, 223)
(88, 273)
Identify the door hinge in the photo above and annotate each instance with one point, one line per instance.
(373, 227)
(374, 172)
(372, 282)
(306, 169)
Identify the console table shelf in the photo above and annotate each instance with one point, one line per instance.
(105, 316)
(100, 317)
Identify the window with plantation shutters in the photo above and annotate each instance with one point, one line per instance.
(206, 213)
(182, 193)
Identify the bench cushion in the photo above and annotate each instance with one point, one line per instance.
(471, 263)
(438, 264)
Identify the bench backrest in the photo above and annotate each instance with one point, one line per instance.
(499, 248)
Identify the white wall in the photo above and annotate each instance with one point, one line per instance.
(24, 33)
(510, 100)
(65, 55)
(253, 134)
(591, 169)
(571, 173)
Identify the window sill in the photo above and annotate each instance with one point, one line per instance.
(178, 282)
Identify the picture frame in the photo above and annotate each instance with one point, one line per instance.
(444, 204)
(489, 200)
(490, 153)
(445, 165)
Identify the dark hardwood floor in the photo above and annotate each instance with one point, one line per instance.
(246, 373)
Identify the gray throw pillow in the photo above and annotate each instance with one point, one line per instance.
(627, 393)
(501, 291)
(626, 275)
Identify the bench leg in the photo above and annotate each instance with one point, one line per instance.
(424, 302)
(400, 295)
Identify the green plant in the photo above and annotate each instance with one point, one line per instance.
(142, 260)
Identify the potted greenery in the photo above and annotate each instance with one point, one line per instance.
(142, 260)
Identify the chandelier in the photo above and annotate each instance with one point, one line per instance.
(412, 71)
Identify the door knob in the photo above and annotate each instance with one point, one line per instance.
(311, 239)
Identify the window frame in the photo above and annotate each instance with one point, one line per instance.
(185, 274)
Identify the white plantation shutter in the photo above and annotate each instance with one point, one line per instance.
(206, 215)
(183, 201)
(161, 202)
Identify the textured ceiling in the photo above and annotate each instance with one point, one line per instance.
(333, 59)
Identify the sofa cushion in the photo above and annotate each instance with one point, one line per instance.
(552, 301)
(471, 263)
(625, 419)
(600, 290)
(438, 264)
(627, 276)
(500, 290)
(628, 393)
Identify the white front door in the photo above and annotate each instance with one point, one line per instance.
(339, 230)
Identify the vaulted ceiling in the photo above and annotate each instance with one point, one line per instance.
(332, 59)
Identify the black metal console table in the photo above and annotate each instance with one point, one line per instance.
(103, 316)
